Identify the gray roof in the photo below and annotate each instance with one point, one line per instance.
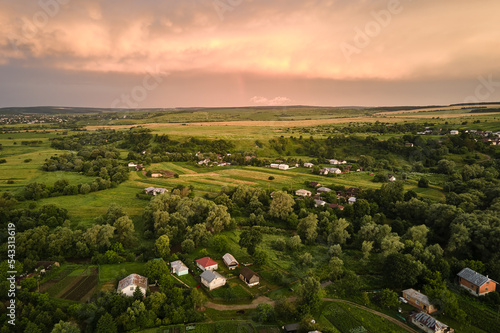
(430, 322)
(178, 266)
(209, 276)
(473, 277)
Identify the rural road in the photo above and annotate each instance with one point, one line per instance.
(263, 299)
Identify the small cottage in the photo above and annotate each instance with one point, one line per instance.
(212, 280)
(249, 277)
(128, 285)
(207, 263)
(419, 300)
(178, 267)
(229, 260)
(429, 324)
(477, 284)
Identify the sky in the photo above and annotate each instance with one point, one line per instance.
(209, 53)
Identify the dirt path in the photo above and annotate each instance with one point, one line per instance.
(253, 305)
(383, 315)
(263, 299)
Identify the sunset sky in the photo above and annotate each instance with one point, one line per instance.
(180, 53)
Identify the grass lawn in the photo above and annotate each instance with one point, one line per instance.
(119, 271)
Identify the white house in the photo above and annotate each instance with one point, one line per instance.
(303, 193)
(132, 165)
(308, 165)
(454, 132)
(283, 166)
(392, 179)
(335, 170)
(352, 200)
(178, 267)
(229, 260)
(155, 190)
(275, 165)
(207, 264)
(212, 280)
(323, 189)
(127, 285)
(319, 203)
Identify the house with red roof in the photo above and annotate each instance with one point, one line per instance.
(207, 263)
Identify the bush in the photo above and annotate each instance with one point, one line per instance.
(271, 178)
(423, 182)
(3, 160)
(27, 160)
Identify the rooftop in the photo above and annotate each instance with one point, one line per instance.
(429, 321)
(209, 276)
(206, 262)
(133, 279)
(473, 276)
(418, 296)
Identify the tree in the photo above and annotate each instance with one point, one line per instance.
(198, 298)
(218, 218)
(388, 298)
(306, 259)
(260, 257)
(293, 243)
(126, 231)
(65, 327)
(106, 324)
(138, 295)
(391, 244)
(446, 167)
(309, 295)
(338, 233)
(402, 270)
(249, 239)
(220, 243)
(155, 269)
(336, 267)
(187, 246)
(335, 250)
(307, 228)
(423, 182)
(162, 246)
(418, 234)
(366, 248)
(265, 312)
(281, 206)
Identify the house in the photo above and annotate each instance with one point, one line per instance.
(207, 264)
(212, 280)
(156, 175)
(308, 165)
(275, 165)
(291, 328)
(178, 267)
(283, 166)
(132, 165)
(303, 193)
(140, 167)
(47, 265)
(334, 162)
(318, 203)
(154, 190)
(127, 285)
(323, 190)
(477, 284)
(454, 132)
(229, 260)
(392, 179)
(340, 207)
(334, 170)
(419, 300)
(428, 324)
(314, 184)
(352, 191)
(408, 144)
(352, 200)
(249, 277)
